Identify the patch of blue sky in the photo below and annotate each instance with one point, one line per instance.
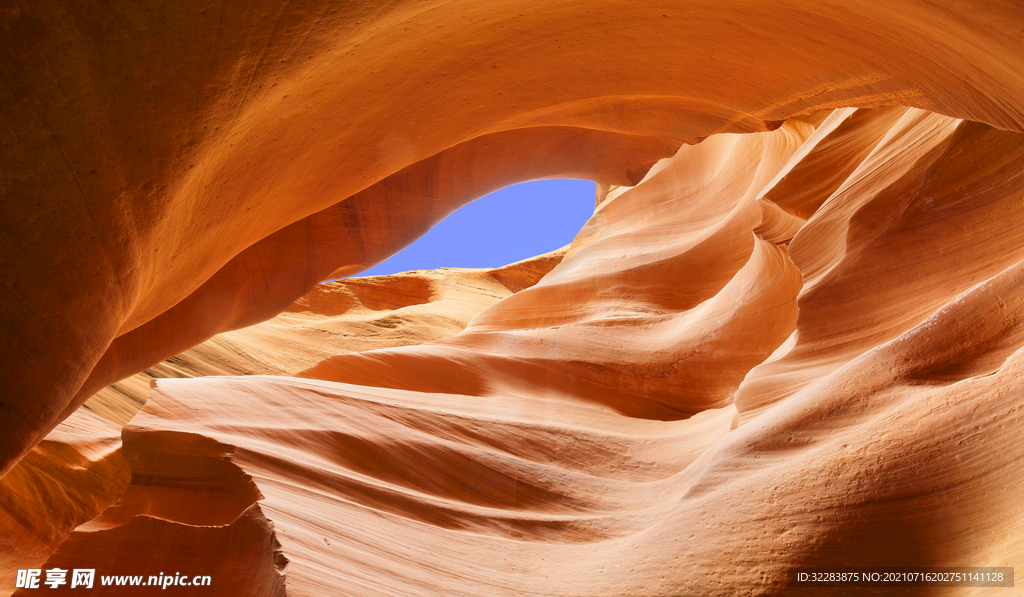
(509, 225)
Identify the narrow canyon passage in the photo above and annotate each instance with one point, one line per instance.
(788, 336)
(577, 424)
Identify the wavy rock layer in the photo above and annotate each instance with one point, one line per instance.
(797, 346)
(345, 316)
(78, 470)
(791, 348)
(178, 170)
(69, 478)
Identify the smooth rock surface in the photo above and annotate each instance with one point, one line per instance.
(155, 155)
(78, 471)
(789, 336)
(720, 382)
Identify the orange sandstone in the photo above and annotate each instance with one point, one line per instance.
(146, 148)
(795, 346)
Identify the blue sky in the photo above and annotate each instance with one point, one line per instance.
(513, 223)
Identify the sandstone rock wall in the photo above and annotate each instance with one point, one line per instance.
(733, 373)
(78, 471)
(152, 152)
(799, 345)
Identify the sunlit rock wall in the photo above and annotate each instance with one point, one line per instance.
(797, 346)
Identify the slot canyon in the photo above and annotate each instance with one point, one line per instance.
(789, 337)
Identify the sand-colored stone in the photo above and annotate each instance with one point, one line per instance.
(78, 471)
(70, 477)
(670, 410)
(351, 315)
(148, 148)
(799, 345)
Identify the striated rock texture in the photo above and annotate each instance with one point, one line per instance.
(175, 171)
(796, 346)
(752, 361)
(78, 470)
(345, 316)
(69, 478)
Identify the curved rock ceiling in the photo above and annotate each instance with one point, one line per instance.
(789, 335)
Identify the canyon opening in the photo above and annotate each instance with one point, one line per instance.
(780, 355)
